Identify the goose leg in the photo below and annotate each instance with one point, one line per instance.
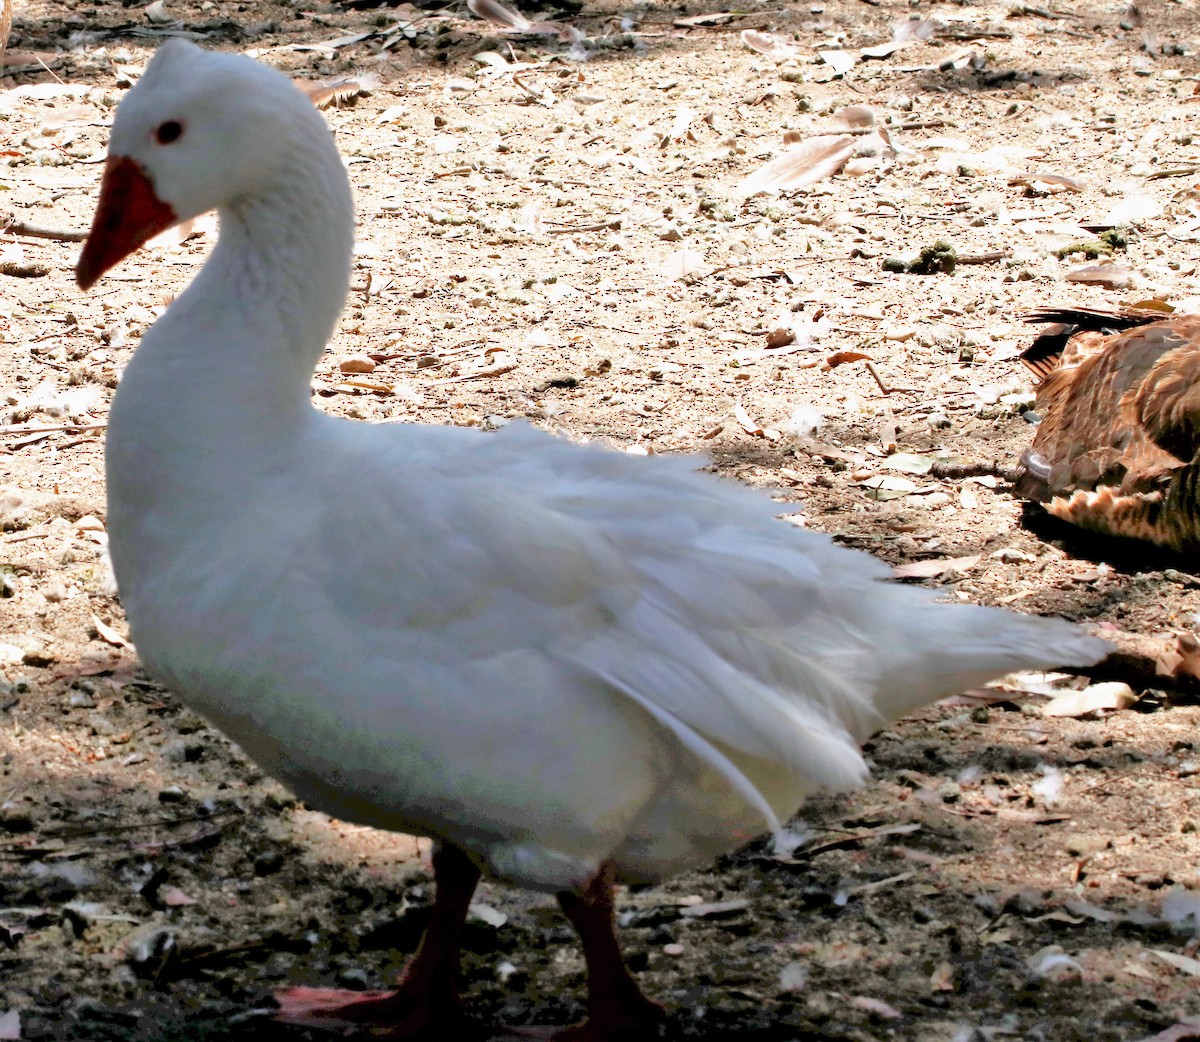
(426, 997)
(617, 1009)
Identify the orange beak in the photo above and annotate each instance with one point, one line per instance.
(129, 214)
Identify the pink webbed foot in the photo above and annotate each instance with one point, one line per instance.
(385, 1014)
(425, 1002)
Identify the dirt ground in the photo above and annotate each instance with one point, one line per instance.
(551, 227)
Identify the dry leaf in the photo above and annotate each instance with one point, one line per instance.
(769, 44)
(1097, 698)
(909, 463)
(934, 569)
(813, 161)
(883, 487)
(842, 357)
(1039, 179)
(1115, 276)
(716, 18)
(109, 635)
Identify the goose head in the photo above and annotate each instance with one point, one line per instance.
(200, 131)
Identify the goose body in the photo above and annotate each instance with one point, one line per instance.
(1117, 447)
(566, 665)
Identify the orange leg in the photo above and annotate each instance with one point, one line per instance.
(617, 1009)
(426, 998)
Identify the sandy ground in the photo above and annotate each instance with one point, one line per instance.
(552, 229)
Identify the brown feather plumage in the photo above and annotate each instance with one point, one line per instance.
(1118, 447)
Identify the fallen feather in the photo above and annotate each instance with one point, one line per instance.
(813, 161)
(327, 93)
(876, 1006)
(681, 264)
(506, 18)
(1183, 963)
(1053, 962)
(1181, 908)
(769, 44)
(841, 62)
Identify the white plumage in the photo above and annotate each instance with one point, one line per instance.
(560, 660)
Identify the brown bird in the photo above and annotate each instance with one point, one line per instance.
(1116, 450)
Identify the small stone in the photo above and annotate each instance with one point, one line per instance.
(148, 948)
(54, 592)
(268, 863)
(357, 364)
(674, 949)
(15, 821)
(1010, 555)
(938, 421)
(171, 794)
(933, 501)
(179, 750)
(81, 700)
(354, 978)
(89, 523)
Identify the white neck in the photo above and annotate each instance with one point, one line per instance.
(218, 390)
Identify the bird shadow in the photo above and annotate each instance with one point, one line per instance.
(1127, 556)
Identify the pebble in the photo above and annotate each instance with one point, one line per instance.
(674, 949)
(931, 502)
(54, 592)
(89, 523)
(148, 947)
(179, 750)
(357, 364)
(353, 978)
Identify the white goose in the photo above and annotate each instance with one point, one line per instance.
(569, 666)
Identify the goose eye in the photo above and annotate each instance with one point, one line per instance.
(167, 132)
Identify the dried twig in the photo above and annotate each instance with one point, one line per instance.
(74, 428)
(33, 231)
